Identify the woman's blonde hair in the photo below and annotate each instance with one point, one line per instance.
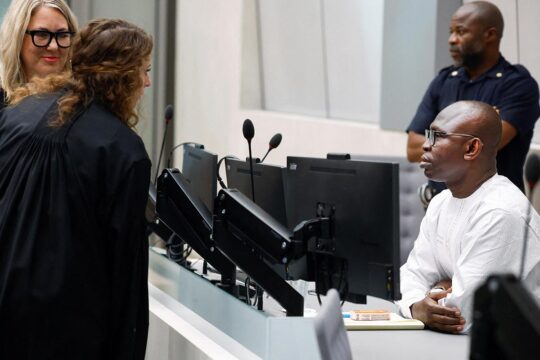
(12, 34)
(107, 65)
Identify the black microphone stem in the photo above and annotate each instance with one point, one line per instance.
(264, 157)
(161, 151)
(525, 241)
(251, 172)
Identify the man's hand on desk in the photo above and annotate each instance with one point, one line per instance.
(438, 317)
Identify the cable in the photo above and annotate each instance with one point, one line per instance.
(187, 251)
(247, 284)
(316, 268)
(196, 145)
(174, 248)
(178, 250)
(343, 280)
(219, 178)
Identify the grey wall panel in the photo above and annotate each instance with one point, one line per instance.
(3, 7)
(528, 29)
(408, 59)
(251, 96)
(353, 43)
(292, 56)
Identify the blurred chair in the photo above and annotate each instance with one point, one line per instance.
(331, 333)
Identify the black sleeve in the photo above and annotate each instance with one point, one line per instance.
(519, 103)
(129, 267)
(3, 102)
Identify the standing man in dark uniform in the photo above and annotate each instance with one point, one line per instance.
(481, 73)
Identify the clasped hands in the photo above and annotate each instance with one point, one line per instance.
(435, 316)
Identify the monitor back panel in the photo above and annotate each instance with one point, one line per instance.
(268, 183)
(199, 168)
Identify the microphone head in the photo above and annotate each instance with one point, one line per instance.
(169, 112)
(248, 130)
(532, 169)
(275, 141)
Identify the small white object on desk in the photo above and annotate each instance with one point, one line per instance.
(396, 322)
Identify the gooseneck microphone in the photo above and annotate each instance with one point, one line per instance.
(169, 112)
(249, 132)
(274, 143)
(532, 172)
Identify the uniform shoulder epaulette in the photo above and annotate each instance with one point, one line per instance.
(520, 69)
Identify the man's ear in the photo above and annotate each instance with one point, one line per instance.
(491, 35)
(473, 148)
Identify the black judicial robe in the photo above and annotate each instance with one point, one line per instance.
(73, 252)
(2, 99)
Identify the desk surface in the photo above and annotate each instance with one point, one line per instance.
(404, 344)
(393, 344)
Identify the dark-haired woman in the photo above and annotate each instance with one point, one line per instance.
(73, 187)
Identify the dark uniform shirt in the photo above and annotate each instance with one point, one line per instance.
(508, 87)
(73, 251)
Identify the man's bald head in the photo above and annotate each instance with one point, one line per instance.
(475, 118)
(486, 14)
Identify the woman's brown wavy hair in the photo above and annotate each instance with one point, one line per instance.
(107, 62)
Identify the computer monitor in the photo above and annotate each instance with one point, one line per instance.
(362, 198)
(199, 169)
(268, 184)
(506, 321)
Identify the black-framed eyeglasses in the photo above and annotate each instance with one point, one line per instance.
(42, 38)
(432, 135)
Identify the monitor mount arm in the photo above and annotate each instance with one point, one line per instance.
(317, 234)
(229, 240)
(254, 241)
(179, 210)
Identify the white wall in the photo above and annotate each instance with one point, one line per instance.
(208, 88)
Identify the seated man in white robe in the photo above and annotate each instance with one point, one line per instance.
(471, 230)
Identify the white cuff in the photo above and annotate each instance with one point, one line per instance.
(405, 305)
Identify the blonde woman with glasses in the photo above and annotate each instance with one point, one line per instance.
(35, 41)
